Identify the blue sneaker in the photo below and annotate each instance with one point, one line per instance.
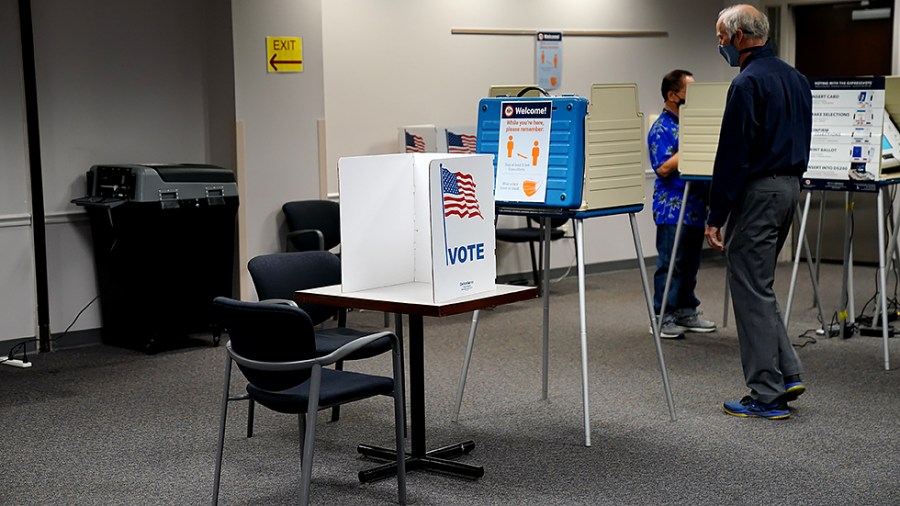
(749, 407)
(792, 391)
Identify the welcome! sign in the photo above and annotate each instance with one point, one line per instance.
(418, 218)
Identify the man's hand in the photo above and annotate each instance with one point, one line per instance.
(714, 238)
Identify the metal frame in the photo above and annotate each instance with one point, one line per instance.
(578, 220)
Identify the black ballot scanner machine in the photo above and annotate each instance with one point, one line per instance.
(164, 242)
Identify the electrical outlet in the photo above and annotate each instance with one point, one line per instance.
(14, 362)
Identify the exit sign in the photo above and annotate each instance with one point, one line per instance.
(284, 54)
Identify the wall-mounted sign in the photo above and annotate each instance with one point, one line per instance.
(548, 60)
(284, 54)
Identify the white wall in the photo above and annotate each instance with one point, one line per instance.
(17, 292)
(279, 114)
(394, 62)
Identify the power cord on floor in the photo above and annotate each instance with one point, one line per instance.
(808, 339)
(24, 362)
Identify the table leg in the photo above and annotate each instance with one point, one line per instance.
(582, 324)
(419, 458)
(882, 283)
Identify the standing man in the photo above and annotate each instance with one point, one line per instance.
(763, 151)
(681, 304)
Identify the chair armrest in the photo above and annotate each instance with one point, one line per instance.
(299, 365)
(357, 344)
(307, 231)
(285, 302)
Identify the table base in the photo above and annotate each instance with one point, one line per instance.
(434, 460)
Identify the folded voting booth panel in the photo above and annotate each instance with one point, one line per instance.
(515, 90)
(457, 139)
(562, 152)
(700, 120)
(417, 139)
(418, 218)
(614, 169)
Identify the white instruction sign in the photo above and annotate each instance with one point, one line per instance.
(845, 150)
(523, 152)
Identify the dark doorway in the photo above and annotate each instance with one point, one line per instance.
(830, 43)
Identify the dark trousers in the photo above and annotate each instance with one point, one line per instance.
(681, 297)
(757, 228)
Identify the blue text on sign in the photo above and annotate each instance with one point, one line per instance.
(469, 253)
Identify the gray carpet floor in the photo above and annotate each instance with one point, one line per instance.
(106, 425)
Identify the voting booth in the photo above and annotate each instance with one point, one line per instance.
(565, 152)
(614, 148)
(417, 139)
(854, 148)
(418, 218)
(700, 120)
(855, 138)
(568, 157)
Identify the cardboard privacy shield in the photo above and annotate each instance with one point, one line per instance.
(418, 218)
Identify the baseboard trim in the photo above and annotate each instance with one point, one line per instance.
(76, 339)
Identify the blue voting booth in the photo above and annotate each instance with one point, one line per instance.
(569, 157)
(563, 119)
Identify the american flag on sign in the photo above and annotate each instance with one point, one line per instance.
(460, 143)
(459, 194)
(414, 143)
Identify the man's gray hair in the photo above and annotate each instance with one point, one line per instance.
(751, 21)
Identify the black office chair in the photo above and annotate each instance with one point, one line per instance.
(312, 224)
(277, 276)
(275, 347)
(533, 234)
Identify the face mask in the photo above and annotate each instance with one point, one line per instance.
(681, 102)
(731, 54)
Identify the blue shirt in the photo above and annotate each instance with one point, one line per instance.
(668, 191)
(766, 129)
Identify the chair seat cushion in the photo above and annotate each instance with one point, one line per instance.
(328, 340)
(526, 234)
(338, 387)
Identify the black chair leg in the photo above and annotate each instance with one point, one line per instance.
(336, 411)
(250, 409)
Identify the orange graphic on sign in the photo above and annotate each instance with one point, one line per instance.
(529, 187)
(509, 147)
(535, 153)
